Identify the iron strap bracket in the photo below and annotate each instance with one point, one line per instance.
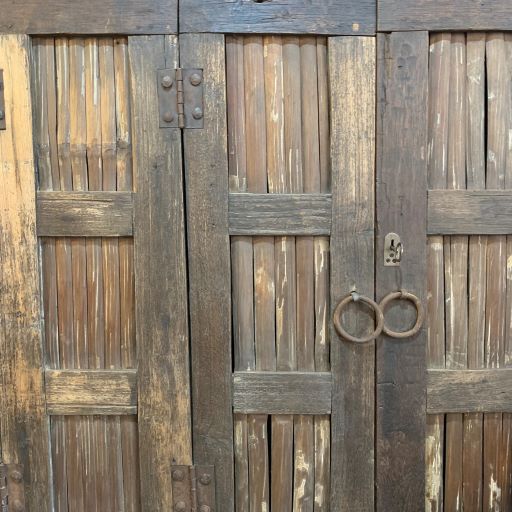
(193, 488)
(12, 492)
(180, 98)
(2, 102)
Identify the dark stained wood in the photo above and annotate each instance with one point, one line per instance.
(160, 279)
(401, 208)
(469, 391)
(470, 212)
(282, 392)
(279, 214)
(79, 392)
(24, 429)
(206, 171)
(352, 97)
(84, 214)
(438, 15)
(279, 16)
(96, 17)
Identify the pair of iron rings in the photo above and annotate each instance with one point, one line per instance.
(379, 316)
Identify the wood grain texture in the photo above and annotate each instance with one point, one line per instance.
(81, 392)
(99, 17)
(469, 391)
(84, 214)
(279, 214)
(342, 17)
(160, 279)
(282, 392)
(470, 212)
(206, 169)
(401, 208)
(352, 99)
(448, 15)
(24, 429)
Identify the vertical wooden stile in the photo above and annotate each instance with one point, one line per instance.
(206, 170)
(24, 426)
(401, 208)
(437, 171)
(475, 171)
(160, 281)
(352, 99)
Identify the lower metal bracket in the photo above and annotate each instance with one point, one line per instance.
(12, 491)
(193, 488)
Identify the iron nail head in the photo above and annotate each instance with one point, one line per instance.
(195, 79)
(197, 113)
(205, 479)
(167, 81)
(168, 117)
(180, 506)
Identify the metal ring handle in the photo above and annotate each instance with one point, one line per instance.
(355, 297)
(420, 313)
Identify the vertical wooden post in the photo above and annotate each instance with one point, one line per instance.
(23, 423)
(206, 169)
(160, 278)
(352, 89)
(401, 208)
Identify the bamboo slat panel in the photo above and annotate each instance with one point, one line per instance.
(278, 140)
(468, 277)
(82, 138)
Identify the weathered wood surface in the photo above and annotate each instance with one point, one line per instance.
(343, 17)
(470, 212)
(206, 170)
(24, 427)
(352, 98)
(401, 208)
(438, 15)
(282, 392)
(160, 279)
(469, 391)
(84, 214)
(279, 214)
(96, 17)
(81, 392)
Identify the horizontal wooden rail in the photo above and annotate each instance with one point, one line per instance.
(469, 391)
(86, 392)
(279, 214)
(469, 212)
(84, 214)
(282, 392)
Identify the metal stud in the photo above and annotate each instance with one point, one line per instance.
(197, 113)
(168, 117)
(195, 79)
(180, 506)
(205, 479)
(17, 476)
(167, 81)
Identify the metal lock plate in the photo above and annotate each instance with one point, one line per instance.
(393, 250)
(193, 488)
(12, 491)
(3, 125)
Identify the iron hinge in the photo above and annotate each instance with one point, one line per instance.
(12, 492)
(3, 126)
(180, 98)
(193, 488)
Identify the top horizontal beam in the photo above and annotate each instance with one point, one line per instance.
(335, 17)
(445, 15)
(36, 17)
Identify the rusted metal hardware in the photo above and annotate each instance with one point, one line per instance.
(180, 98)
(3, 125)
(12, 492)
(393, 250)
(420, 313)
(355, 297)
(193, 488)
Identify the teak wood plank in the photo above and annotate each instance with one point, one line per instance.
(401, 208)
(206, 171)
(24, 429)
(282, 392)
(81, 392)
(84, 214)
(160, 279)
(448, 15)
(470, 212)
(96, 17)
(342, 17)
(352, 96)
(279, 214)
(473, 391)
